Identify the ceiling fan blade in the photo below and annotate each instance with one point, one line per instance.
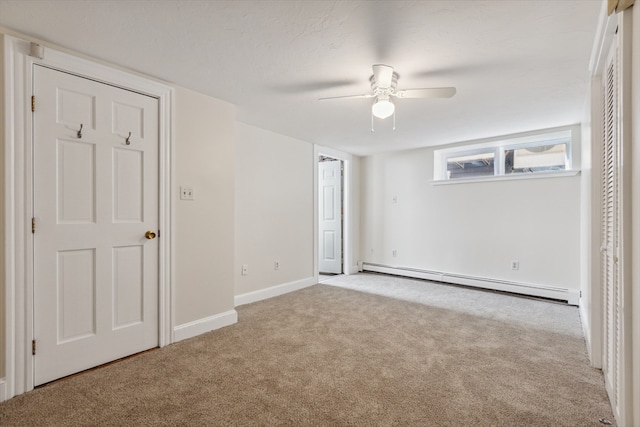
(369, 95)
(313, 86)
(383, 75)
(433, 92)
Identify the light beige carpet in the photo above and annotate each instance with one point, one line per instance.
(332, 356)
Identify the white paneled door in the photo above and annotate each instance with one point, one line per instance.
(330, 216)
(95, 209)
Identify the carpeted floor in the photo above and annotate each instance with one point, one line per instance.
(521, 310)
(332, 356)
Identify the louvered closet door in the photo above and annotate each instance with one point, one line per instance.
(95, 196)
(610, 267)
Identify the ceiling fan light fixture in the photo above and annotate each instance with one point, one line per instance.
(383, 108)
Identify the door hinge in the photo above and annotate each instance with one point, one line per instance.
(33, 347)
(33, 103)
(33, 225)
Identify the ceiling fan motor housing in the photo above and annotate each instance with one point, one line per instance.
(379, 89)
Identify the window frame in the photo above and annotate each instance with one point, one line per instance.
(568, 135)
(473, 152)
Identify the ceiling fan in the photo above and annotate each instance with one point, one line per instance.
(383, 83)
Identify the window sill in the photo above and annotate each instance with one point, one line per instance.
(513, 177)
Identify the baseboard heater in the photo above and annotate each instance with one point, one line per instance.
(562, 294)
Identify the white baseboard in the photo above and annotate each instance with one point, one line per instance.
(569, 295)
(273, 291)
(201, 326)
(3, 390)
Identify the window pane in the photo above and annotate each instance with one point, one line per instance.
(470, 166)
(536, 159)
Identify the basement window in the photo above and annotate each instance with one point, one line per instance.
(470, 165)
(542, 152)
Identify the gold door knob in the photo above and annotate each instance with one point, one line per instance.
(150, 235)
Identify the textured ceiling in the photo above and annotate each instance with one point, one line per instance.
(517, 65)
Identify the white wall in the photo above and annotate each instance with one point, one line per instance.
(473, 229)
(274, 213)
(354, 215)
(204, 240)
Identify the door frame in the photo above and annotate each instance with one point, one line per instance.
(18, 195)
(349, 233)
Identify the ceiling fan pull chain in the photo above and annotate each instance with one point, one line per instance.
(394, 120)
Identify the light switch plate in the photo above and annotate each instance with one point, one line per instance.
(186, 193)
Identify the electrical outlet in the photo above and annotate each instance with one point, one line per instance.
(245, 269)
(395, 199)
(186, 193)
(394, 253)
(515, 265)
(276, 265)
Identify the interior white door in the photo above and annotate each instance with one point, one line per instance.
(613, 342)
(330, 216)
(95, 186)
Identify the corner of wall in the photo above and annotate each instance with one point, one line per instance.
(274, 213)
(202, 326)
(273, 291)
(586, 330)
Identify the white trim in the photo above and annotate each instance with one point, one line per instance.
(564, 294)
(15, 102)
(347, 220)
(592, 298)
(513, 177)
(569, 135)
(591, 301)
(18, 195)
(202, 326)
(273, 291)
(635, 226)
(625, 400)
(605, 32)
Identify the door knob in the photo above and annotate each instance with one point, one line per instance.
(150, 235)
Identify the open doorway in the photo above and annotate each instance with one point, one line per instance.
(330, 216)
